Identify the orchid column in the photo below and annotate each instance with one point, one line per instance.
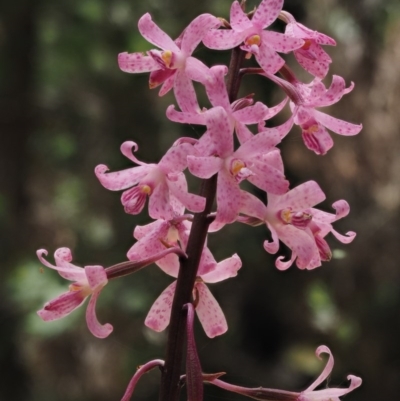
(176, 238)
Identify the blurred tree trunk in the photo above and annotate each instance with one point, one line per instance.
(17, 39)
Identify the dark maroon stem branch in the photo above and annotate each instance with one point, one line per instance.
(170, 381)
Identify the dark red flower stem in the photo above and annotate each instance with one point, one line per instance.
(170, 380)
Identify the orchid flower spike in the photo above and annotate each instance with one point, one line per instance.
(89, 280)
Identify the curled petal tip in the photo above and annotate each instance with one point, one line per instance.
(104, 332)
(355, 381)
(101, 169)
(41, 252)
(322, 349)
(63, 254)
(128, 147)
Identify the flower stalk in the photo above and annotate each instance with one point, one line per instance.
(169, 390)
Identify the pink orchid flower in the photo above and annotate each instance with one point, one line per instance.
(241, 112)
(89, 280)
(208, 310)
(292, 219)
(164, 183)
(257, 160)
(305, 98)
(310, 56)
(313, 122)
(154, 237)
(327, 394)
(264, 45)
(171, 65)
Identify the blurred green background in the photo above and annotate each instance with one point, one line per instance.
(66, 107)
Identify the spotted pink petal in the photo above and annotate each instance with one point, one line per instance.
(185, 118)
(302, 197)
(159, 203)
(149, 237)
(242, 132)
(197, 70)
(274, 159)
(250, 205)
(159, 315)
(185, 94)
(223, 39)
(207, 262)
(238, 19)
(153, 34)
(223, 270)
(268, 178)
(301, 243)
(334, 93)
(268, 59)
(301, 31)
(141, 231)
(267, 12)
(251, 114)
(195, 31)
(228, 194)
(281, 42)
(97, 329)
(259, 144)
(204, 167)
(192, 202)
(216, 88)
(62, 306)
(167, 85)
(210, 313)
(96, 277)
(220, 130)
(315, 60)
(136, 62)
(118, 180)
(339, 126)
(273, 111)
(174, 160)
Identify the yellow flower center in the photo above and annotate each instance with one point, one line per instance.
(312, 129)
(236, 166)
(75, 287)
(286, 216)
(166, 56)
(146, 189)
(253, 40)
